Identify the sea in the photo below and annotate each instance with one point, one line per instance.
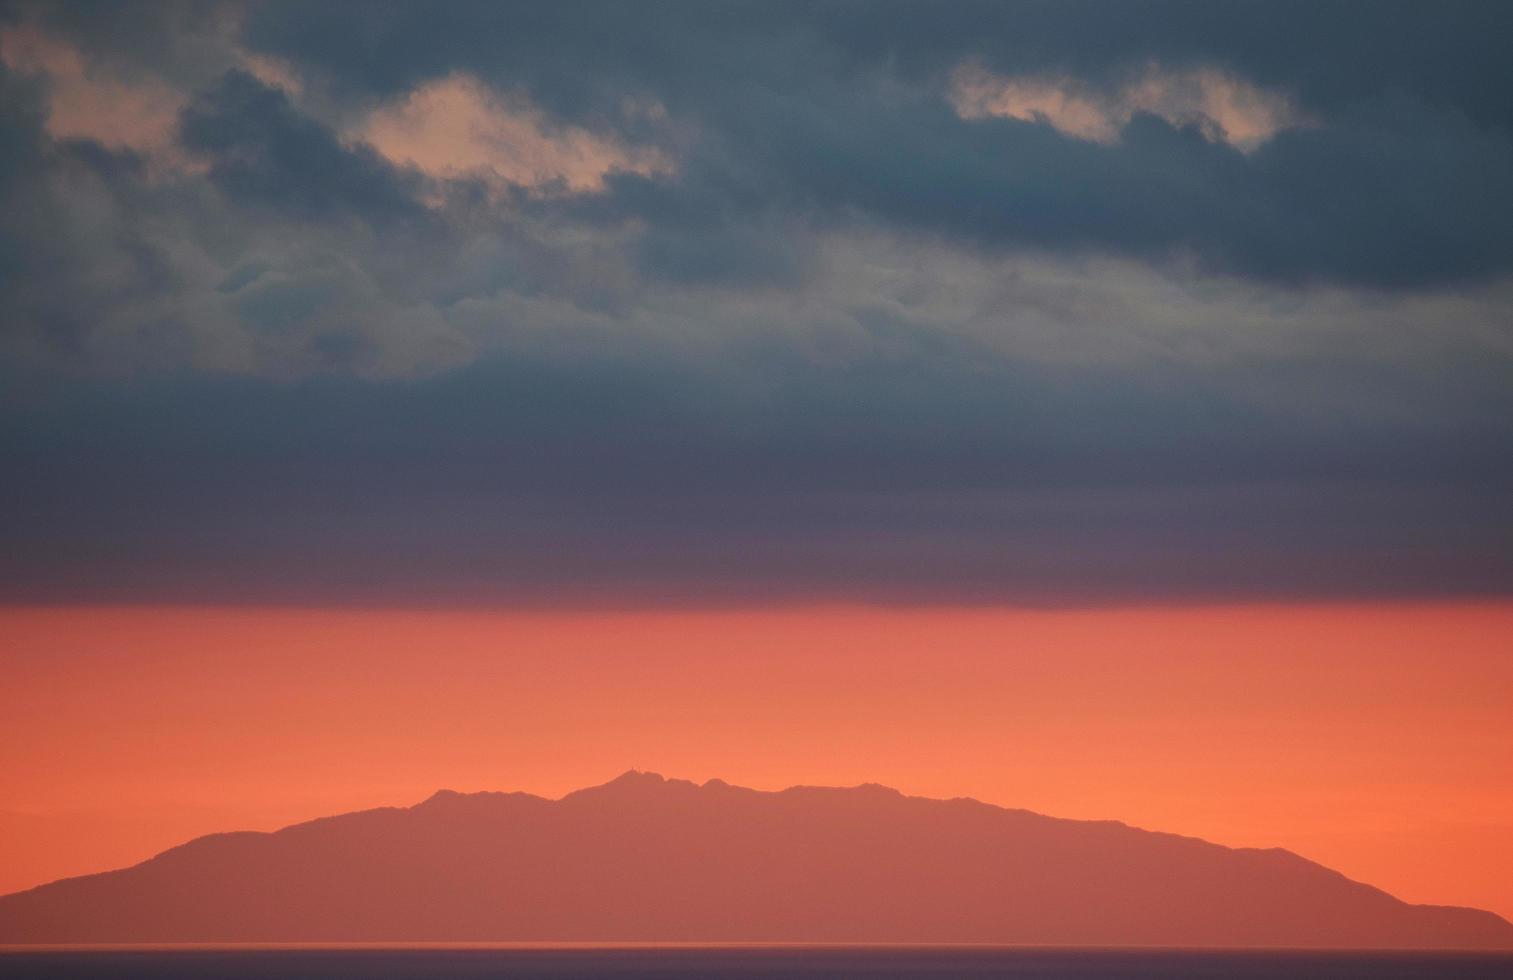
(716, 962)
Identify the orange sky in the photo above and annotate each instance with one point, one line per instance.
(1375, 739)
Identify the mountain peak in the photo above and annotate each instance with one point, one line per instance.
(637, 777)
(651, 859)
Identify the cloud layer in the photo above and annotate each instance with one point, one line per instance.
(976, 302)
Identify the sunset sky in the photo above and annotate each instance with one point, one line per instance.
(1104, 409)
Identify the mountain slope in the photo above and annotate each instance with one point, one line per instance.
(648, 859)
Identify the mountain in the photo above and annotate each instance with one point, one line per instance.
(644, 858)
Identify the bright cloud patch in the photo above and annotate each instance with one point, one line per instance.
(1225, 108)
(83, 103)
(273, 72)
(458, 127)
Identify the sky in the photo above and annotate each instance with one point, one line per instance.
(1159, 352)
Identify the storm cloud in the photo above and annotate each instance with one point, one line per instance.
(1009, 302)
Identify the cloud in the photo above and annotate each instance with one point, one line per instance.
(261, 150)
(880, 300)
(139, 115)
(887, 472)
(1224, 108)
(455, 127)
(108, 265)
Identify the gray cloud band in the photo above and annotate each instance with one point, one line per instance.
(712, 302)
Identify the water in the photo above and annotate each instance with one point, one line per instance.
(712, 963)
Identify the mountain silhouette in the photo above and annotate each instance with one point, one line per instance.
(644, 858)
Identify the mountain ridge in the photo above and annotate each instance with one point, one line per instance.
(645, 858)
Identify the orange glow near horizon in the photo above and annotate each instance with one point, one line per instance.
(1376, 739)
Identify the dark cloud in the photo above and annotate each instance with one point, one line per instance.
(266, 154)
(897, 479)
(66, 260)
(585, 56)
(1405, 183)
(21, 116)
(735, 253)
(1394, 196)
(845, 344)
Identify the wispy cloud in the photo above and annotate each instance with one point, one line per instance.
(457, 127)
(1223, 107)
